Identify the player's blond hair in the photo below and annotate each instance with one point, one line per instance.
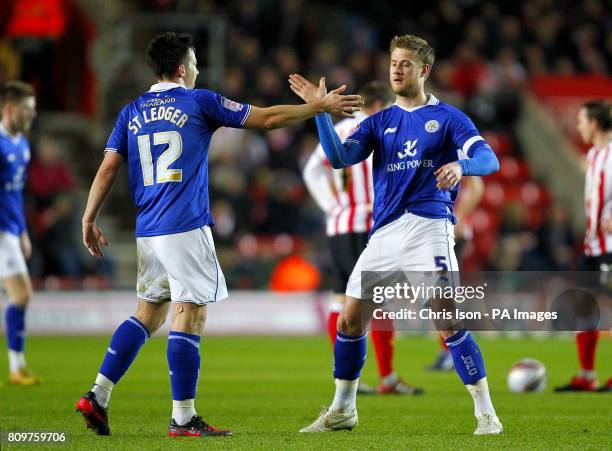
(425, 52)
(15, 91)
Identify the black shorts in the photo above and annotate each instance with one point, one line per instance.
(589, 263)
(602, 265)
(345, 250)
(460, 244)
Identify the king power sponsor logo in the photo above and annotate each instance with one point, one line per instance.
(409, 150)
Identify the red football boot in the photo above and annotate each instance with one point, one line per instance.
(196, 427)
(399, 388)
(96, 416)
(578, 384)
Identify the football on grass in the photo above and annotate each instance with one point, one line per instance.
(527, 375)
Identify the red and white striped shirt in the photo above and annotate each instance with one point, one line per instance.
(598, 200)
(345, 195)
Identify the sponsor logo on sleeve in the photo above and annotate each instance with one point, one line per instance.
(231, 105)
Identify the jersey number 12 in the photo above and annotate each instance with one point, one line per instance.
(169, 156)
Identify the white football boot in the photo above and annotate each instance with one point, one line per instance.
(488, 425)
(365, 389)
(331, 421)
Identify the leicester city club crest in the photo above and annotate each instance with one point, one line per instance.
(432, 126)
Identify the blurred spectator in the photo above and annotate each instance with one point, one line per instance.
(35, 27)
(469, 70)
(50, 35)
(10, 61)
(53, 212)
(557, 240)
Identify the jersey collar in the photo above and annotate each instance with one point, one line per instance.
(604, 147)
(431, 100)
(14, 138)
(164, 86)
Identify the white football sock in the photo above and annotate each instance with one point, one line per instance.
(102, 389)
(588, 374)
(183, 411)
(482, 398)
(390, 379)
(16, 361)
(346, 394)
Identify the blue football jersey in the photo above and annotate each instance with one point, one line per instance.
(164, 135)
(14, 159)
(409, 145)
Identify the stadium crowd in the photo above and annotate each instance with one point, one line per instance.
(486, 53)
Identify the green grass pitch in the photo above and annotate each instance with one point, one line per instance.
(266, 388)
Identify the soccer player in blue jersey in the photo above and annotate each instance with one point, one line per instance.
(164, 136)
(18, 106)
(416, 145)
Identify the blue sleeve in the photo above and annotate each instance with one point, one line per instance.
(480, 157)
(117, 142)
(463, 132)
(357, 146)
(482, 161)
(221, 111)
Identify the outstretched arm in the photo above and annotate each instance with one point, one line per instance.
(340, 155)
(101, 186)
(286, 115)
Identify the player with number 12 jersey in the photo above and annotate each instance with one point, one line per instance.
(160, 127)
(164, 136)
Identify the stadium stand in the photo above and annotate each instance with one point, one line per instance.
(256, 188)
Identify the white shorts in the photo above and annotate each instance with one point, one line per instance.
(12, 261)
(181, 267)
(410, 244)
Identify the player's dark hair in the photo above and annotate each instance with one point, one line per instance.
(425, 52)
(15, 91)
(601, 112)
(168, 51)
(375, 91)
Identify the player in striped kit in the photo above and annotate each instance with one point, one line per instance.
(595, 127)
(346, 197)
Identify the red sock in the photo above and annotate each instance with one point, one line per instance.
(587, 342)
(332, 320)
(382, 337)
(443, 344)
